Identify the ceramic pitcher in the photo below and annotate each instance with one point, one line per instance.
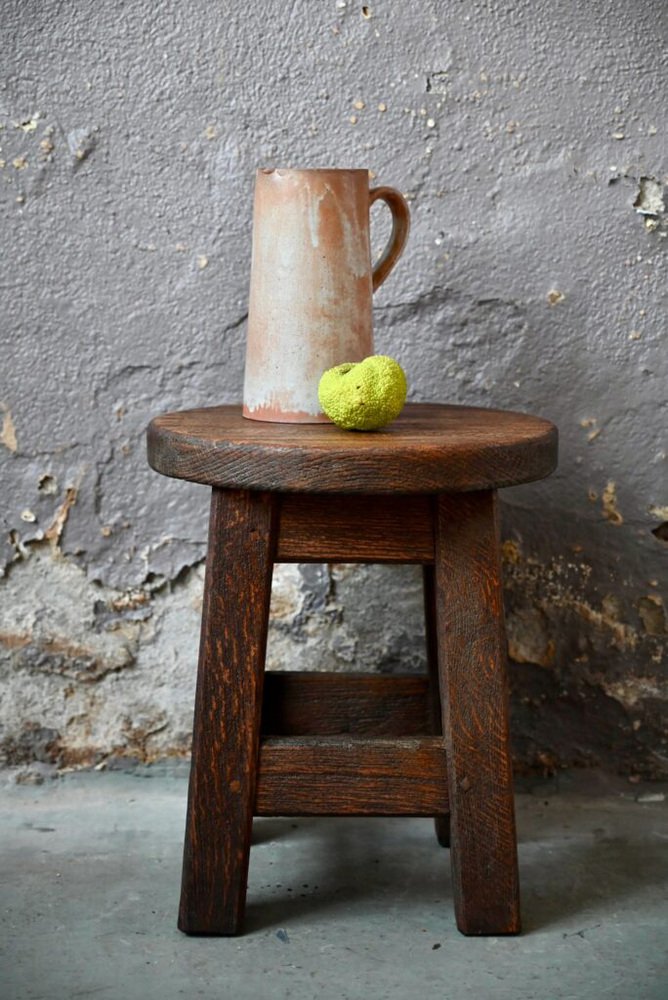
(311, 285)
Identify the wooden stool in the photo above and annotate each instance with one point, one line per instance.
(423, 490)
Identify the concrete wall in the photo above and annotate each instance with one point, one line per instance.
(530, 139)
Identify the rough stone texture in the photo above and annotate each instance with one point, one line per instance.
(530, 140)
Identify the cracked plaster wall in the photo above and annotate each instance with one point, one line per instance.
(530, 140)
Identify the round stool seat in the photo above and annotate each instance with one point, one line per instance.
(430, 448)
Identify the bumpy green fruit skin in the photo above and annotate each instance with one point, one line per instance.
(363, 396)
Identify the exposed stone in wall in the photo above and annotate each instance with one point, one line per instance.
(530, 141)
(587, 673)
(103, 672)
(92, 675)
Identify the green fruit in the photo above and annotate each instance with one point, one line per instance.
(363, 396)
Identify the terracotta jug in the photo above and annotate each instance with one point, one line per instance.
(311, 284)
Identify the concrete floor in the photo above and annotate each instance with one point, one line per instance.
(338, 908)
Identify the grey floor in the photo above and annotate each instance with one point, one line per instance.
(338, 908)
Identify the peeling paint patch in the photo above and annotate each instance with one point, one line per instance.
(511, 552)
(609, 504)
(437, 83)
(590, 424)
(8, 430)
(635, 689)
(47, 484)
(561, 586)
(624, 635)
(54, 531)
(28, 124)
(653, 615)
(65, 659)
(528, 637)
(649, 200)
(82, 143)
(113, 614)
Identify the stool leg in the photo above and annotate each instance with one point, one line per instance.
(441, 823)
(228, 704)
(474, 696)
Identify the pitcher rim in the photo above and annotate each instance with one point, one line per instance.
(312, 170)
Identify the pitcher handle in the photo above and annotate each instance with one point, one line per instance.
(401, 222)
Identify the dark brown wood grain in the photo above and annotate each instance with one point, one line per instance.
(441, 823)
(355, 528)
(422, 490)
(472, 668)
(430, 448)
(227, 712)
(351, 776)
(297, 703)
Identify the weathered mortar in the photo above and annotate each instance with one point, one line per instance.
(531, 143)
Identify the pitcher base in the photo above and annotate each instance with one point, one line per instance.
(272, 414)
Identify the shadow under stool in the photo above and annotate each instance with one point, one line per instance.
(423, 490)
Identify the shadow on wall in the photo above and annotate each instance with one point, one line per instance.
(584, 556)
